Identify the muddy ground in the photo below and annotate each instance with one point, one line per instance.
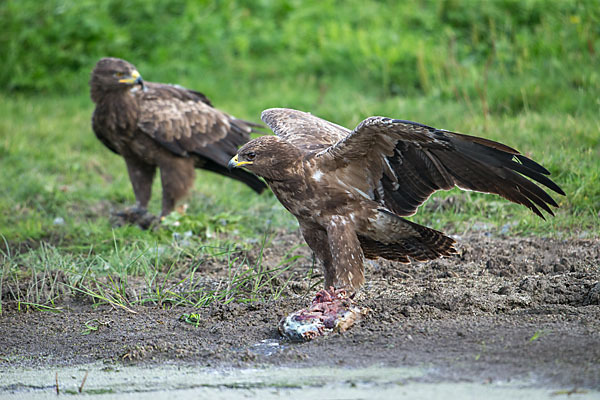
(503, 309)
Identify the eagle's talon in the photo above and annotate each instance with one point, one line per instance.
(135, 215)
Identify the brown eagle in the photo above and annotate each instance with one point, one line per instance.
(170, 127)
(350, 190)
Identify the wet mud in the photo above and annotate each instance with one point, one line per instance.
(503, 309)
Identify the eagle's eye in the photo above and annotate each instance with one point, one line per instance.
(250, 156)
(119, 74)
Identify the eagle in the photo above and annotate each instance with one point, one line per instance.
(166, 126)
(351, 190)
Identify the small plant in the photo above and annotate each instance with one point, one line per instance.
(538, 334)
(193, 319)
(91, 326)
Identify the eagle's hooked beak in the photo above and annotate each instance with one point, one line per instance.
(135, 78)
(234, 163)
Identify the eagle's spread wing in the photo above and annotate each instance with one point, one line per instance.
(184, 122)
(303, 129)
(409, 161)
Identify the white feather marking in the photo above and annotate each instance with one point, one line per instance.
(363, 194)
(350, 189)
(380, 191)
(317, 175)
(390, 171)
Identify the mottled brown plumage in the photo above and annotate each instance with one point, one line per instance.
(350, 189)
(170, 127)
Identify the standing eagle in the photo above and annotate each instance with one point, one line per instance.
(350, 190)
(170, 127)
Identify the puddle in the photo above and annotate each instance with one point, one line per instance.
(267, 347)
(164, 382)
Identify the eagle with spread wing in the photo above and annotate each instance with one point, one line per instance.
(166, 126)
(350, 190)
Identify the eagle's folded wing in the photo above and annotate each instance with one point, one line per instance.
(185, 124)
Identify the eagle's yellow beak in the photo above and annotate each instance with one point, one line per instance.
(134, 78)
(234, 163)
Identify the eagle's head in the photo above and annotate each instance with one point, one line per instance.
(113, 75)
(269, 157)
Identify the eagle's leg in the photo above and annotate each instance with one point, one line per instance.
(332, 309)
(346, 254)
(177, 177)
(316, 238)
(141, 176)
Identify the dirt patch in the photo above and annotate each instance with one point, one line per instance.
(503, 308)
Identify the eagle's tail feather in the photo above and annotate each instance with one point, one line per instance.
(407, 240)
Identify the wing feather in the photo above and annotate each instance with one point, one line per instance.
(303, 129)
(424, 159)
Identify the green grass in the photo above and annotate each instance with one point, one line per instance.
(54, 167)
(164, 275)
(520, 72)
